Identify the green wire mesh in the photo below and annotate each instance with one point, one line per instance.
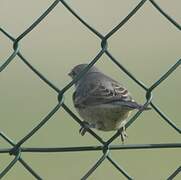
(106, 146)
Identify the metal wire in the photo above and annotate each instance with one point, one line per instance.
(106, 146)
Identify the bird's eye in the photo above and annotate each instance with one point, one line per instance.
(73, 73)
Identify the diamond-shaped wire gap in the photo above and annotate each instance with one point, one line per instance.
(165, 14)
(107, 71)
(111, 139)
(144, 164)
(62, 51)
(70, 84)
(106, 14)
(6, 60)
(29, 168)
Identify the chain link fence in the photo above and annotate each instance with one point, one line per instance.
(106, 146)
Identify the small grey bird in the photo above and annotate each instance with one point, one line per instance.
(102, 102)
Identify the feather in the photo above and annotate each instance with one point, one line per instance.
(102, 90)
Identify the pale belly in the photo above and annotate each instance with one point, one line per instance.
(104, 118)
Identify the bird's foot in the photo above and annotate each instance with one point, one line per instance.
(123, 134)
(84, 128)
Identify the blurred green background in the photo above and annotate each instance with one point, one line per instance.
(147, 46)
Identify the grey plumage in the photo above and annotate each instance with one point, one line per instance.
(101, 101)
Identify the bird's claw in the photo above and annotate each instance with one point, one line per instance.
(123, 134)
(82, 131)
(84, 128)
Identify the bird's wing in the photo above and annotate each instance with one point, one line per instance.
(105, 92)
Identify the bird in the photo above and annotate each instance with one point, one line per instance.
(102, 102)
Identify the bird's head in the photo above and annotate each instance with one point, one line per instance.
(78, 69)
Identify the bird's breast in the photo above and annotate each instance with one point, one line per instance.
(104, 118)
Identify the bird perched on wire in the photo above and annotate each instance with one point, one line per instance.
(102, 102)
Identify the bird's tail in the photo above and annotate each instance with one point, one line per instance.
(134, 105)
(144, 108)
